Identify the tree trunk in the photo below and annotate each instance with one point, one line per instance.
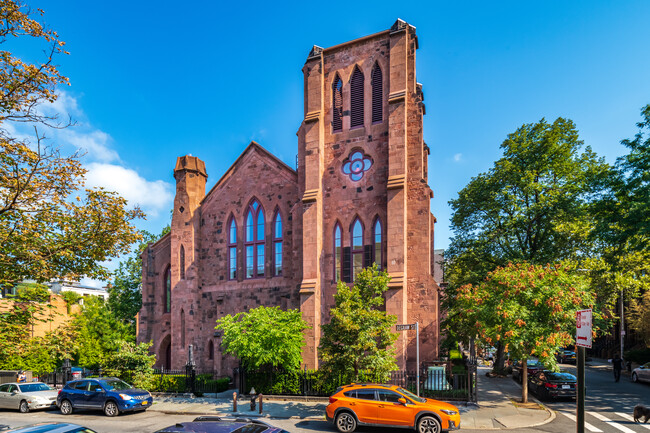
(524, 381)
(499, 360)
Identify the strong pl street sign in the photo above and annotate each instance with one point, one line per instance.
(583, 328)
(408, 327)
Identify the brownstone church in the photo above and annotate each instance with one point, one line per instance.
(267, 234)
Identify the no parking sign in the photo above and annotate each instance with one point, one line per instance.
(583, 328)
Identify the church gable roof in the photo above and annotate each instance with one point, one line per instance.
(253, 148)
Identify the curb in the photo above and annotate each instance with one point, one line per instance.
(238, 415)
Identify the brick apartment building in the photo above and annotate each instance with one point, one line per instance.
(266, 234)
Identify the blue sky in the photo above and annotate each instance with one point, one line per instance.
(151, 81)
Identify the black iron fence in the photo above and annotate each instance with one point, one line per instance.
(435, 382)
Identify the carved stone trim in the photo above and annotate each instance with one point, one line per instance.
(312, 116)
(315, 52)
(396, 96)
(398, 26)
(310, 195)
(308, 287)
(396, 182)
(396, 280)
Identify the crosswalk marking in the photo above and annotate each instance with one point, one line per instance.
(631, 418)
(589, 427)
(610, 422)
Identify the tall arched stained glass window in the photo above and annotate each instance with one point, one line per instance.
(277, 244)
(356, 98)
(232, 249)
(254, 243)
(181, 263)
(337, 104)
(337, 252)
(377, 251)
(168, 289)
(356, 252)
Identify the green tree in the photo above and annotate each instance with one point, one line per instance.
(639, 317)
(359, 337)
(50, 226)
(131, 363)
(264, 336)
(530, 309)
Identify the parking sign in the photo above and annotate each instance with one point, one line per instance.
(583, 328)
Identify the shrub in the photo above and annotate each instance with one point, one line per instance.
(640, 356)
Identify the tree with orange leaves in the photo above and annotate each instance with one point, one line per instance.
(530, 309)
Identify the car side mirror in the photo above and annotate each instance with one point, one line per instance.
(402, 401)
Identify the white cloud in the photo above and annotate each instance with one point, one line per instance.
(458, 157)
(152, 197)
(95, 143)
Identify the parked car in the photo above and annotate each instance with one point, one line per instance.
(388, 406)
(27, 396)
(50, 427)
(566, 356)
(548, 384)
(109, 394)
(533, 367)
(642, 373)
(215, 424)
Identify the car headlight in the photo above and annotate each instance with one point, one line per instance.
(448, 412)
(125, 397)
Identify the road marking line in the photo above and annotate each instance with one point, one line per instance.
(631, 418)
(589, 427)
(610, 422)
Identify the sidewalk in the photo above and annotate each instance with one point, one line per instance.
(495, 409)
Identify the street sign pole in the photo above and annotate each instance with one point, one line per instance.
(417, 357)
(580, 399)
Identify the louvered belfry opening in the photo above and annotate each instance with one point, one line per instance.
(356, 98)
(337, 104)
(377, 106)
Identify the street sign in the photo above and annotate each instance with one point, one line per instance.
(583, 328)
(407, 327)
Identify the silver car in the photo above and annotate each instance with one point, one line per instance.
(27, 396)
(641, 374)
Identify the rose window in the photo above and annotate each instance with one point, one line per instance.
(356, 165)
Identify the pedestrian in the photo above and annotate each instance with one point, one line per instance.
(22, 377)
(617, 364)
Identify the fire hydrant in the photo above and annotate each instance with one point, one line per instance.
(253, 395)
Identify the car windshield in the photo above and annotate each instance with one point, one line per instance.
(410, 395)
(251, 428)
(32, 387)
(560, 376)
(115, 385)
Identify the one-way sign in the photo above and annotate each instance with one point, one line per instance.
(407, 327)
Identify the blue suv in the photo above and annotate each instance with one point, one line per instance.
(109, 394)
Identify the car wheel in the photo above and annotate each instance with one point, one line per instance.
(345, 422)
(23, 407)
(428, 424)
(111, 409)
(635, 378)
(66, 407)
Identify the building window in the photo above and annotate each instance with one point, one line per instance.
(356, 98)
(356, 165)
(277, 244)
(182, 262)
(337, 104)
(254, 240)
(356, 244)
(232, 249)
(183, 329)
(377, 94)
(211, 350)
(337, 252)
(377, 251)
(168, 289)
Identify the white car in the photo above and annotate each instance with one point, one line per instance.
(641, 374)
(27, 396)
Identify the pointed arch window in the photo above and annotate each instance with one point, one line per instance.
(254, 243)
(232, 249)
(183, 329)
(211, 350)
(377, 254)
(168, 289)
(356, 248)
(377, 94)
(356, 98)
(337, 104)
(181, 263)
(277, 244)
(338, 252)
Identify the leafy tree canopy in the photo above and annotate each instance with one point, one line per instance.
(264, 336)
(359, 337)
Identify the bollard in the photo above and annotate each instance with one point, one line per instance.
(234, 402)
(261, 403)
(253, 403)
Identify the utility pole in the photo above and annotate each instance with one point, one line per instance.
(622, 325)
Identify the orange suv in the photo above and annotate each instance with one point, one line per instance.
(388, 406)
